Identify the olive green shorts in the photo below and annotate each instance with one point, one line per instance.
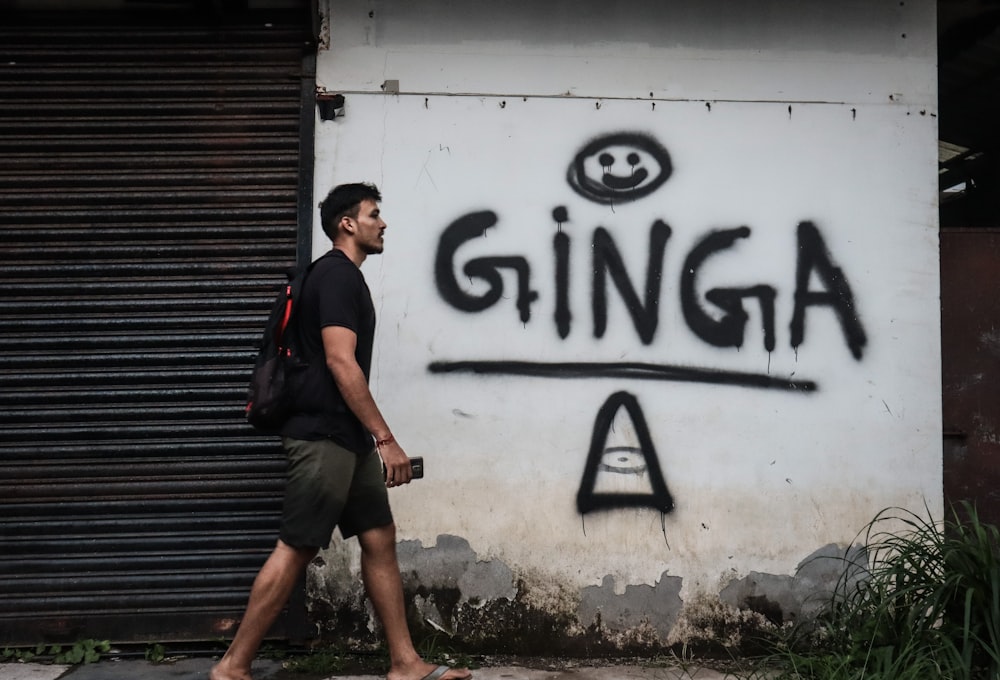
(329, 486)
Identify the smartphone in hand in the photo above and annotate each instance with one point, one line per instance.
(416, 464)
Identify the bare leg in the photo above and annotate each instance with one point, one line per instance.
(380, 571)
(271, 590)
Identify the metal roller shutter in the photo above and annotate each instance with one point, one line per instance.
(149, 200)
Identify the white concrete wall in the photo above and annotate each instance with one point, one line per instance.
(766, 116)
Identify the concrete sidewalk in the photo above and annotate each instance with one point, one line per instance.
(197, 669)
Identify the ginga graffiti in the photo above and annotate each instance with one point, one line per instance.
(620, 168)
(725, 331)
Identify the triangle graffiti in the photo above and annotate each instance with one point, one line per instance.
(588, 498)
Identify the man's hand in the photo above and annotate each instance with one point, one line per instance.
(339, 344)
(397, 465)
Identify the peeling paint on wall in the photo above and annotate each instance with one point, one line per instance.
(448, 576)
(486, 606)
(656, 606)
(789, 599)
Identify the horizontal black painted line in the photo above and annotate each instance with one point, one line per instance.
(630, 370)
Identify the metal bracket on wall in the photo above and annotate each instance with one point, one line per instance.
(331, 106)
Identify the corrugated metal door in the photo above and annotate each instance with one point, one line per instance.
(149, 199)
(970, 363)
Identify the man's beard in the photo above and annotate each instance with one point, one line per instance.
(373, 248)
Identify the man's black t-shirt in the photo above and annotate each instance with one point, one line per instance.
(334, 294)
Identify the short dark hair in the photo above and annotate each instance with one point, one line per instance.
(344, 200)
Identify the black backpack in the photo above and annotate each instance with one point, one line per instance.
(280, 367)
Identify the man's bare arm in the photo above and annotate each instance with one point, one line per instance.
(339, 344)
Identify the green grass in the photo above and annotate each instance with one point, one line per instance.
(926, 604)
(436, 649)
(83, 651)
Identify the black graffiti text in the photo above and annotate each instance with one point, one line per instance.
(719, 317)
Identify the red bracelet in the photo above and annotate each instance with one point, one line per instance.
(379, 443)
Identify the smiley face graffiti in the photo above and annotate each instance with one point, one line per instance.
(619, 168)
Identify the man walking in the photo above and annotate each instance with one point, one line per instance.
(335, 476)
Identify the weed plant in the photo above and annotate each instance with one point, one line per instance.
(926, 604)
(83, 651)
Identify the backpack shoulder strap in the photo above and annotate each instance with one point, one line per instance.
(293, 290)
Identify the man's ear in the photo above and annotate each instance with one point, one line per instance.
(347, 224)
